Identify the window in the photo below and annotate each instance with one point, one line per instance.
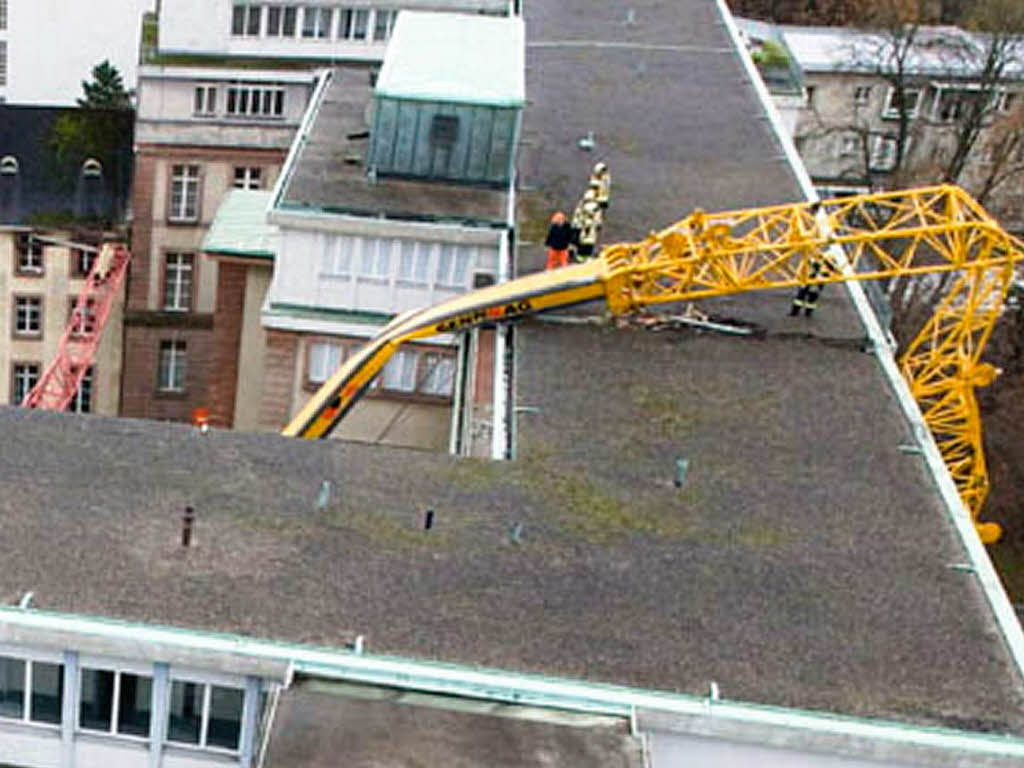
(400, 373)
(324, 359)
(3, 61)
(82, 401)
(171, 373)
(115, 702)
(3, 14)
(8, 165)
(1004, 101)
(86, 323)
(30, 255)
(81, 262)
(178, 282)
(912, 97)
(205, 102)
(862, 95)
(883, 153)
(354, 23)
(336, 260)
(438, 374)
(414, 261)
(256, 101)
(810, 91)
(205, 715)
(245, 20)
(248, 177)
(376, 257)
(23, 377)
(383, 23)
(453, 266)
(444, 131)
(849, 145)
(316, 21)
(31, 690)
(28, 316)
(281, 20)
(184, 193)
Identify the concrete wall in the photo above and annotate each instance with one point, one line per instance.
(252, 351)
(54, 44)
(56, 286)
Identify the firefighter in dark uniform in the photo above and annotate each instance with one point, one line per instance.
(807, 295)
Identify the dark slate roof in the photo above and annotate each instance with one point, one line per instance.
(330, 170)
(316, 722)
(47, 190)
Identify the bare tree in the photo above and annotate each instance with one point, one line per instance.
(1003, 153)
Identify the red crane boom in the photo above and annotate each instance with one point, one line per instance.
(77, 349)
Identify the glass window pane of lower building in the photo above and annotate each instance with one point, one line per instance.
(12, 687)
(47, 692)
(184, 722)
(225, 722)
(133, 704)
(96, 699)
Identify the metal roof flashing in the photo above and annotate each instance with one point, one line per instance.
(458, 58)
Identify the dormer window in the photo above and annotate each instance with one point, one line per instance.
(8, 166)
(91, 169)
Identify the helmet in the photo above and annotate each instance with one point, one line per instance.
(600, 168)
(558, 217)
(589, 195)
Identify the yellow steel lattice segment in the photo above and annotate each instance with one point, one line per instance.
(927, 231)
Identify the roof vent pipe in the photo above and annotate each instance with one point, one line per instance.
(187, 521)
(26, 601)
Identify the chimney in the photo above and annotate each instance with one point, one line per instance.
(187, 520)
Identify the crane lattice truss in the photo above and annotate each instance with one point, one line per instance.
(77, 349)
(875, 236)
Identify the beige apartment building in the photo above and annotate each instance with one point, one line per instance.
(47, 208)
(219, 104)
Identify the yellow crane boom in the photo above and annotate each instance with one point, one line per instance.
(866, 237)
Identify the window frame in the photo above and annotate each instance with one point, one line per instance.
(348, 24)
(315, 383)
(115, 703)
(28, 249)
(890, 112)
(288, 16)
(172, 345)
(849, 146)
(28, 679)
(248, 175)
(875, 155)
(389, 25)
(40, 300)
(261, 101)
(15, 365)
(182, 215)
(204, 721)
(862, 95)
(90, 313)
(75, 270)
(89, 383)
(204, 100)
(324, 22)
(165, 265)
(248, 10)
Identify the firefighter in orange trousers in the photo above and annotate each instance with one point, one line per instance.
(558, 240)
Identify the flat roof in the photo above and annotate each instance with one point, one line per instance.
(240, 227)
(455, 57)
(807, 561)
(329, 175)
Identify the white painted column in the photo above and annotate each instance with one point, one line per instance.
(159, 704)
(69, 706)
(250, 722)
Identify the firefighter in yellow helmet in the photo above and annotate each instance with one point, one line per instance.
(601, 182)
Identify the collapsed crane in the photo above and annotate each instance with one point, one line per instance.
(77, 348)
(930, 230)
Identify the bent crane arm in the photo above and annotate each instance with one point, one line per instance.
(865, 237)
